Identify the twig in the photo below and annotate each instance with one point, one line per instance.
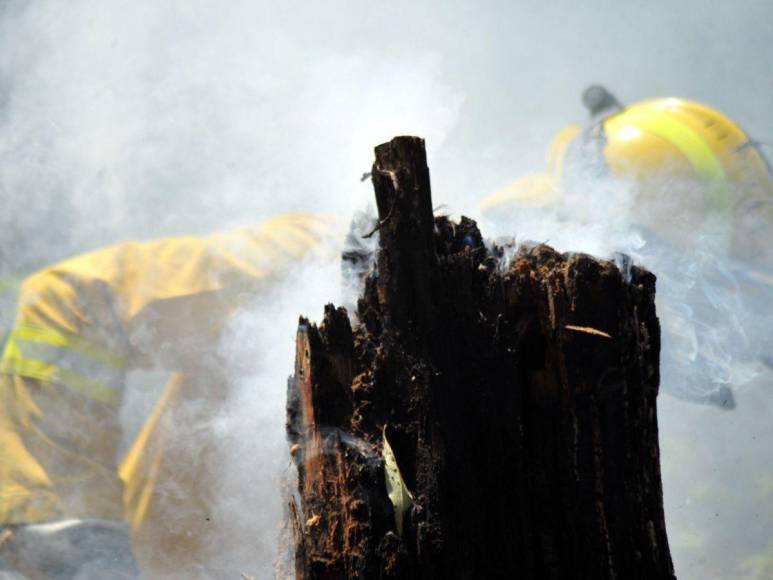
(588, 330)
(382, 222)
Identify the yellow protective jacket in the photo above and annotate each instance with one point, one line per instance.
(83, 323)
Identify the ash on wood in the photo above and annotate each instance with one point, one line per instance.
(515, 390)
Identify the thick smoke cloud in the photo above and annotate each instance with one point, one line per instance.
(122, 120)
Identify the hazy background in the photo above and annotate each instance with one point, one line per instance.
(139, 119)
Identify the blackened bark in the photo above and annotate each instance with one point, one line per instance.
(516, 388)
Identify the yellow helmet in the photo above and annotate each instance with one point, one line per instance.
(693, 168)
(694, 173)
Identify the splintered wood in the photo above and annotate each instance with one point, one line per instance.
(477, 423)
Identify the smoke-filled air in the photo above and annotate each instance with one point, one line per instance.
(198, 122)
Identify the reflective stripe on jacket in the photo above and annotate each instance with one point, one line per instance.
(53, 356)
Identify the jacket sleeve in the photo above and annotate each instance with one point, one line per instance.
(165, 302)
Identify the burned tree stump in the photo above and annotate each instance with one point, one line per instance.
(491, 415)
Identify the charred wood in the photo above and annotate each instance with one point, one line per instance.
(514, 389)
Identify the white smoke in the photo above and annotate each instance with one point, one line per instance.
(260, 350)
(142, 119)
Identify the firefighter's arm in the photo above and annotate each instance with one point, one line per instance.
(178, 294)
(142, 304)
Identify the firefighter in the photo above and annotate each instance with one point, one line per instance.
(81, 325)
(696, 185)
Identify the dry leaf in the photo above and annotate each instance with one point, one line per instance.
(397, 491)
